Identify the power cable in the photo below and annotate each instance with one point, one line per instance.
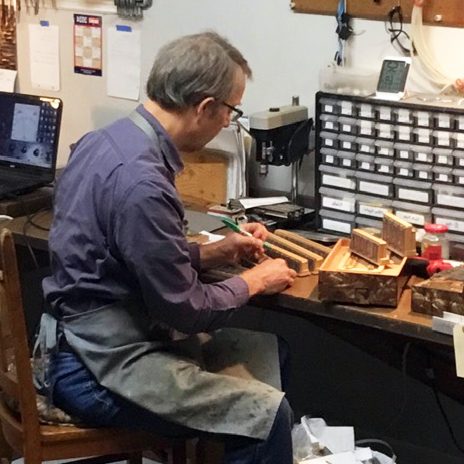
(394, 27)
(404, 359)
(431, 376)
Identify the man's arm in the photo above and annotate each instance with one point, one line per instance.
(234, 247)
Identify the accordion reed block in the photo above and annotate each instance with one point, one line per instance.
(304, 242)
(399, 235)
(369, 247)
(294, 261)
(314, 260)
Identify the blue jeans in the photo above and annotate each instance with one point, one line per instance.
(78, 393)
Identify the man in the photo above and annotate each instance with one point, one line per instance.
(124, 286)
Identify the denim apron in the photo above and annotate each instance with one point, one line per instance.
(213, 383)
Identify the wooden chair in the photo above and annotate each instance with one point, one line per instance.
(23, 432)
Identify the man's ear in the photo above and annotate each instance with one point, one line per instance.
(205, 106)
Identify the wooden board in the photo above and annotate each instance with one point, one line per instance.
(451, 11)
(204, 177)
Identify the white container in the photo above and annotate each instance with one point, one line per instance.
(332, 176)
(384, 165)
(384, 148)
(374, 184)
(403, 151)
(403, 169)
(329, 122)
(443, 156)
(413, 213)
(423, 171)
(348, 81)
(452, 218)
(346, 159)
(375, 207)
(337, 199)
(329, 156)
(423, 118)
(459, 158)
(413, 190)
(365, 162)
(442, 174)
(336, 221)
(366, 145)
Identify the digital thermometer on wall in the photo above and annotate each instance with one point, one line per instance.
(392, 79)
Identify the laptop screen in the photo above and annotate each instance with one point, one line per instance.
(29, 131)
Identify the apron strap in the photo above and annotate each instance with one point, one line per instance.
(143, 125)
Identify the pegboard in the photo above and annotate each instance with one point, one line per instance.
(436, 12)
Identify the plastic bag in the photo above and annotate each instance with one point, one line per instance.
(305, 444)
(379, 458)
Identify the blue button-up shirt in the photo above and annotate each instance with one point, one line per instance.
(117, 234)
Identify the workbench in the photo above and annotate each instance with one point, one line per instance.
(301, 299)
(343, 350)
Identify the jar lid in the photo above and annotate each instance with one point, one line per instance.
(436, 228)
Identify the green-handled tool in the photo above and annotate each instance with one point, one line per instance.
(236, 228)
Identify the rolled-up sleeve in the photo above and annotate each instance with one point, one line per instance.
(148, 233)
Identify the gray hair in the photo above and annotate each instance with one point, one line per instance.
(194, 67)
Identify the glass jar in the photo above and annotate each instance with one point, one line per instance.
(435, 243)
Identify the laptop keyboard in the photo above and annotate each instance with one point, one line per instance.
(14, 185)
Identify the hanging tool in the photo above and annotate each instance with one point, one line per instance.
(132, 9)
(344, 31)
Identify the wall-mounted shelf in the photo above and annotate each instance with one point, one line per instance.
(437, 12)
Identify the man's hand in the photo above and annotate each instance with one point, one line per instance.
(268, 277)
(459, 85)
(235, 247)
(256, 229)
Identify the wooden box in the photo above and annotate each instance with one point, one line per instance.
(442, 292)
(204, 177)
(344, 278)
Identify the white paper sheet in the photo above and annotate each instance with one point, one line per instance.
(124, 57)
(458, 338)
(212, 237)
(249, 203)
(7, 80)
(339, 458)
(44, 56)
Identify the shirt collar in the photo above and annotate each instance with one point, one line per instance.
(169, 151)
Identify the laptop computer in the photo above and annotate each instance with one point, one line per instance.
(29, 132)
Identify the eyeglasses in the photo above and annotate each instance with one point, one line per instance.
(237, 113)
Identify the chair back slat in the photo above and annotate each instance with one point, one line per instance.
(15, 366)
(9, 385)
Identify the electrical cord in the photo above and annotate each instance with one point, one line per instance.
(431, 376)
(404, 359)
(395, 29)
(30, 222)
